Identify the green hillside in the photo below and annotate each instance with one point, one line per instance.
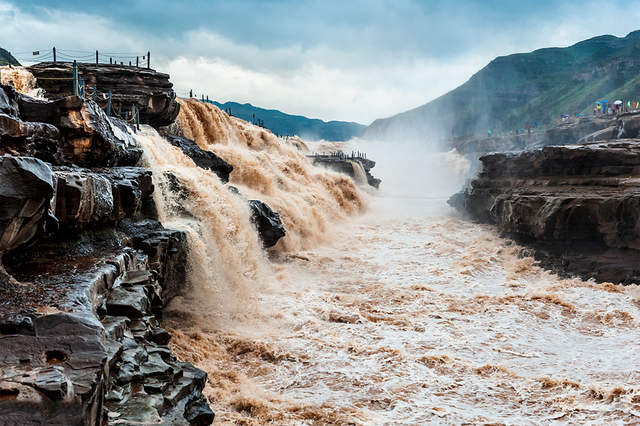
(7, 59)
(289, 125)
(520, 89)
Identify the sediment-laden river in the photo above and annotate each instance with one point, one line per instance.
(382, 309)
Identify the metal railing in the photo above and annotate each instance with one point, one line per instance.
(141, 60)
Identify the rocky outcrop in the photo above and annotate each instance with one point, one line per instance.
(26, 189)
(100, 196)
(146, 89)
(578, 205)
(342, 163)
(85, 272)
(68, 131)
(204, 159)
(18, 137)
(267, 223)
(81, 342)
(88, 137)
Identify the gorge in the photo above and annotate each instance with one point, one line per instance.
(144, 280)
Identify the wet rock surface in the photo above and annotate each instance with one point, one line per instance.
(95, 319)
(18, 137)
(577, 205)
(203, 159)
(85, 271)
(146, 89)
(26, 188)
(267, 222)
(88, 138)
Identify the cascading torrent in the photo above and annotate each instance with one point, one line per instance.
(375, 310)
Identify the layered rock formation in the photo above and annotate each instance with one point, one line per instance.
(146, 89)
(85, 272)
(578, 206)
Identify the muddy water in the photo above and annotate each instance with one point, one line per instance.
(422, 318)
(22, 80)
(396, 314)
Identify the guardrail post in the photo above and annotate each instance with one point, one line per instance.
(109, 105)
(81, 86)
(96, 58)
(75, 78)
(93, 95)
(148, 60)
(138, 119)
(54, 56)
(137, 61)
(111, 61)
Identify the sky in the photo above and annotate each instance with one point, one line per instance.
(348, 60)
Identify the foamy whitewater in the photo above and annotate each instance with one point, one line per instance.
(381, 310)
(21, 80)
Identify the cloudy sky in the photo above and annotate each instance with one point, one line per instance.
(352, 60)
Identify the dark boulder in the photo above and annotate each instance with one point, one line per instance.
(203, 159)
(267, 223)
(8, 103)
(197, 411)
(26, 188)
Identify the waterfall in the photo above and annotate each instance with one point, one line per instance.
(308, 199)
(225, 254)
(22, 80)
(359, 173)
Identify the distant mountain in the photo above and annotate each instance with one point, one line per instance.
(289, 125)
(520, 89)
(7, 59)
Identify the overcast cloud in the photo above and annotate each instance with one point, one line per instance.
(351, 60)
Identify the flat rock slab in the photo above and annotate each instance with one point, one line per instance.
(130, 302)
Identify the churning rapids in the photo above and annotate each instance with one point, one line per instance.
(383, 309)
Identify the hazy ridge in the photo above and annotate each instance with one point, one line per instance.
(288, 125)
(515, 90)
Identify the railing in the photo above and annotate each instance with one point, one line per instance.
(54, 55)
(79, 89)
(339, 155)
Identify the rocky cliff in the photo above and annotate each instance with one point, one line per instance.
(85, 272)
(146, 89)
(576, 205)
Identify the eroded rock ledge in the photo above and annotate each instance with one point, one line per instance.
(150, 91)
(577, 206)
(85, 271)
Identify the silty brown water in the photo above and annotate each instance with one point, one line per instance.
(401, 315)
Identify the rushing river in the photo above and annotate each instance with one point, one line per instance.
(385, 308)
(378, 308)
